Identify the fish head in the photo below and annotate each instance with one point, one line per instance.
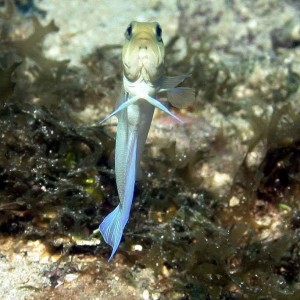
(143, 52)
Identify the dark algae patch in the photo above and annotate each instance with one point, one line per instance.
(47, 160)
(217, 214)
(45, 165)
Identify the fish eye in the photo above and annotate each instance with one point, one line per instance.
(128, 33)
(158, 32)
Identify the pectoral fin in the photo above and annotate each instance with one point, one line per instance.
(121, 107)
(151, 100)
(171, 82)
(180, 97)
(121, 99)
(159, 105)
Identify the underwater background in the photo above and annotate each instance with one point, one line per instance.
(217, 214)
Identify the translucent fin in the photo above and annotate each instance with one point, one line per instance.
(112, 230)
(171, 82)
(180, 97)
(112, 226)
(121, 107)
(159, 105)
(122, 98)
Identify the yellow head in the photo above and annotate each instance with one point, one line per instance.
(143, 52)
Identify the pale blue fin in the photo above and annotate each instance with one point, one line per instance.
(112, 229)
(121, 107)
(159, 105)
(112, 226)
(171, 82)
(180, 97)
(151, 100)
(122, 98)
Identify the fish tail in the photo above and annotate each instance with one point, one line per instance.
(112, 228)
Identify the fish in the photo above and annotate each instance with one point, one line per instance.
(143, 60)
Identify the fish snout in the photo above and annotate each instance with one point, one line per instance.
(143, 44)
(143, 58)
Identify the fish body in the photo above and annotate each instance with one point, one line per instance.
(143, 64)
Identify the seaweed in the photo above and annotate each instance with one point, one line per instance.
(29, 48)
(37, 177)
(6, 84)
(50, 169)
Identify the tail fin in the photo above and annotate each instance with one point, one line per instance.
(112, 229)
(113, 225)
